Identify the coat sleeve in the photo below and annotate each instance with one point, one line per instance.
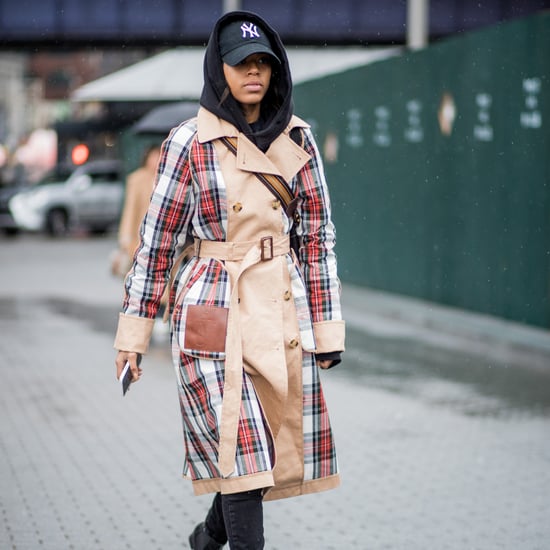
(317, 255)
(163, 230)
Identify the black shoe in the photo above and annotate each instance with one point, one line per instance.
(199, 539)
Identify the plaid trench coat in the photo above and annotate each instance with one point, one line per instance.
(253, 410)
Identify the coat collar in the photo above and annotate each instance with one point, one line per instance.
(283, 158)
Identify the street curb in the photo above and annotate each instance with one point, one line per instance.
(383, 313)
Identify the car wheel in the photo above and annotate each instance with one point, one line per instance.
(57, 222)
(98, 231)
(11, 231)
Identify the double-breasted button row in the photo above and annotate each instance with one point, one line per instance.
(237, 207)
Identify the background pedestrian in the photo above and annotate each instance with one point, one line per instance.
(139, 186)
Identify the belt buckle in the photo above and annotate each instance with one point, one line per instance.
(266, 245)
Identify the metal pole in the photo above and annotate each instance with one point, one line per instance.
(231, 5)
(417, 24)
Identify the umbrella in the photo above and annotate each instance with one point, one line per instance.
(161, 120)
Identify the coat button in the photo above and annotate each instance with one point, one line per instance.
(275, 204)
(237, 207)
(287, 295)
(293, 343)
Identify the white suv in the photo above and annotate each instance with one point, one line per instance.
(91, 198)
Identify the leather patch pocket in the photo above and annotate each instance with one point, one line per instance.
(206, 328)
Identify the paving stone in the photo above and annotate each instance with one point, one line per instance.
(440, 446)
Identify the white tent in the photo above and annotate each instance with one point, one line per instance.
(177, 74)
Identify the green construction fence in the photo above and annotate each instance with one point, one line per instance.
(439, 171)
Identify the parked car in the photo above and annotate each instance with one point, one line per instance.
(90, 197)
(7, 223)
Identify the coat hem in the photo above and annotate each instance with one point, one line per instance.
(304, 488)
(233, 484)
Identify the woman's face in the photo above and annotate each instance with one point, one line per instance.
(248, 83)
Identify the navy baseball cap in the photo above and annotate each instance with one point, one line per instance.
(239, 39)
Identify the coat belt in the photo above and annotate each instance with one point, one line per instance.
(248, 253)
(236, 251)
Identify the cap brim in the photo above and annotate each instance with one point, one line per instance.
(234, 57)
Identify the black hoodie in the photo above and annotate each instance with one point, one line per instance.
(276, 109)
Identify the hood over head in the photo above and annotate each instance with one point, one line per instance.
(235, 36)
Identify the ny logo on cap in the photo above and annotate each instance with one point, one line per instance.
(250, 29)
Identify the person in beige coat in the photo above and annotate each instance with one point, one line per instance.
(252, 318)
(139, 187)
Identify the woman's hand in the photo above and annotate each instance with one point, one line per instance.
(133, 358)
(324, 364)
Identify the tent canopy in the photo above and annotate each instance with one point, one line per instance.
(160, 120)
(177, 74)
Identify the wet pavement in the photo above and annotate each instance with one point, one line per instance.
(442, 423)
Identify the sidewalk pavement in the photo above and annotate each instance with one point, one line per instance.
(505, 342)
(441, 421)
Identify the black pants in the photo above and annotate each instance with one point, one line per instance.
(237, 518)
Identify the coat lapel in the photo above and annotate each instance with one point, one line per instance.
(284, 157)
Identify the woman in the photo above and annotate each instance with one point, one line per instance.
(137, 194)
(139, 186)
(251, 321)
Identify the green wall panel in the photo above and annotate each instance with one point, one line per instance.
(461, 218)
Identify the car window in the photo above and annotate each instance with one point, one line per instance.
(110, 176)
(55, 176)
